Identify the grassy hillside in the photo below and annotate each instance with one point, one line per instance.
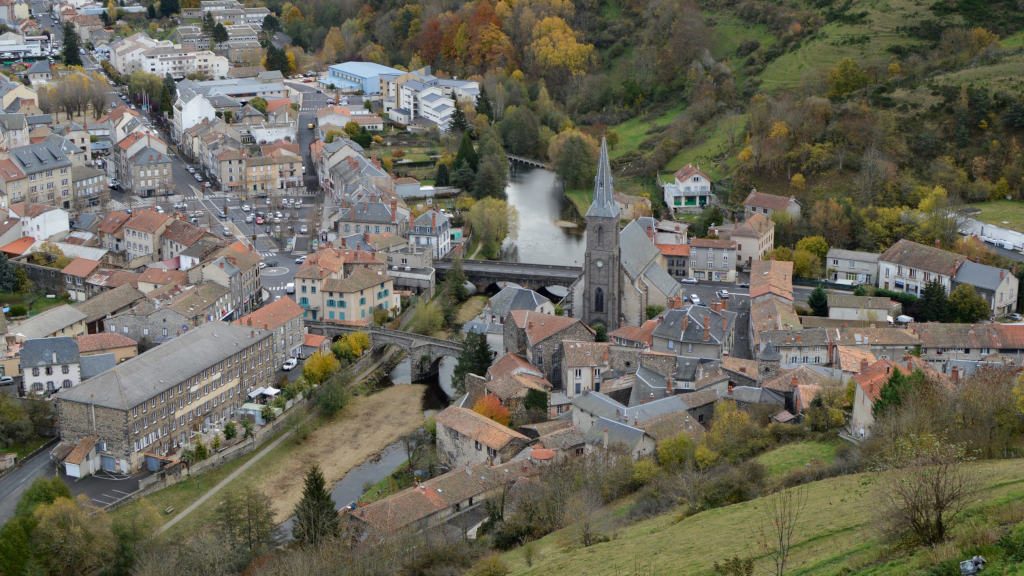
(838, 533)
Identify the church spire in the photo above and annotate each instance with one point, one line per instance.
(604, 205)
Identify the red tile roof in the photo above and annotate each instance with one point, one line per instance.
(103, 341)
(30, 210)
(771, 277)
(689, 170)
(19, 246)
(314, 340)
(712, 243)
(81, 267)
(273, 315)
(9, 171)
(162, 277)
(148, 221)
(540, 326)
(643, 333)
(112, 222)
(674, 249)
(478, 427)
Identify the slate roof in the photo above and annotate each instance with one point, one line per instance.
(856, 255)
(797, 337)
(928, 258)
(981, 275)
(603, 205)
(173, 362)
(512, 298)
(618, 433)
(39, 352)
(687, 324)
(95, 364)
(49, 154)
(49, 322)
(638, 256)
(109, 302)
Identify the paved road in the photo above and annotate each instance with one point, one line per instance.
(14, 483)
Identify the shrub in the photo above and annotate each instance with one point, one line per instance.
(17, 310)
(727, 484)
(1012, 543)
(644, 471)
(230, 430)
(491, 565)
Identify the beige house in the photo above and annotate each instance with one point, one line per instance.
(122, 347)
(142, 233)
(345, 286)
(754, 238)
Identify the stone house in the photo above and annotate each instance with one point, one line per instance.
(465, 438)
(75, 274)
(582, 366)
(754, 238)
(770, 204)
(538, 338)
(997, 286)
(908, 266)
(713, 259)
(695, 332)
(800, 346)
(851, 267)
(864, 308)
(142, 234)
(49, 365)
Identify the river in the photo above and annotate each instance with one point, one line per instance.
(540, 239)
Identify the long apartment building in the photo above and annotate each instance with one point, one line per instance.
(162, 57)
(163, 399)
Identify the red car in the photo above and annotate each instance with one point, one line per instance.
(259, 220)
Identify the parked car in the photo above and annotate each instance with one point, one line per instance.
(248, 218)
(289, 364)
(261, 265)
(694, 299)
(225, 231)
(723, 294)
(259, 220)
(6, 380)
(688, 281)
(304, 229)
(246, 208)
(300, 260)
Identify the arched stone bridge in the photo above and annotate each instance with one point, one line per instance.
(424, 351)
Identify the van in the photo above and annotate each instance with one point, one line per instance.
(289, 288)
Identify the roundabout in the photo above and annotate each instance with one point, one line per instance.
(274, 271)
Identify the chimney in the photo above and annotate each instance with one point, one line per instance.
(725, 324)
(604, 438)
(686, 322)
(794, 381)
(863, 365)
(650, 232)
(433, 219)
(707, 328)
(394, 210)
(668, 385)
(956, 374)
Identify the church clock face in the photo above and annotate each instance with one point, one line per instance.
(599, 264)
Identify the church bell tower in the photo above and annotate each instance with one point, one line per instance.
(601, 263)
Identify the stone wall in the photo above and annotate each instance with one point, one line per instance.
(46, 280)
(78, 420)
(547, 354)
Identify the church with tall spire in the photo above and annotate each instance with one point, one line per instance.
(623, 272)
(601, 290)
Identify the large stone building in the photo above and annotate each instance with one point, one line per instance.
(283, 318)
(163, 399)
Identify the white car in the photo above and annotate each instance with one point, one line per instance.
(688, 281)
(300, 260)
(261, 265)
(248, 218)
(289, 364)
(695, 299)
(304, 229)
(245, 208)
(289, 288)
(723, 294)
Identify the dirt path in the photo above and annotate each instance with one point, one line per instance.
(366, 427)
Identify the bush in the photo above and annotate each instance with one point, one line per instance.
(230, 430)
(727, 484)
(1012, 543)
(492, 565)
(17, 310)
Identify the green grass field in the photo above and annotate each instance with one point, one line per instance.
(789, 457)
(1005, 213)
(34, 302)
(838, 533)
(710, 151)
(865, 42)
(1005, 75)
(634, 131)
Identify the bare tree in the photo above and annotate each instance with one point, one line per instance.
(779, 520)
(928, 488)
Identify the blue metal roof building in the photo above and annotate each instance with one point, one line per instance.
(358, 76)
